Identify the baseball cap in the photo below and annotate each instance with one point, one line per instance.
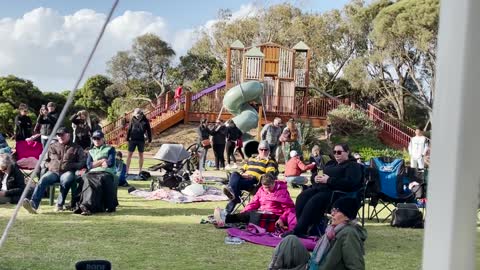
(97, 134)
(62, 130)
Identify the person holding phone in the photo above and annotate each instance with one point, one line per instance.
(319, 160)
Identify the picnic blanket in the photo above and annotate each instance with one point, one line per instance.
(256, 235)
(165, 194)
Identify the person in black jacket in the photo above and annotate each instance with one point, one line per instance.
(233, 134)
(23, 124)
(12, 180)
(139, 125)
(82, 129)
(343, 174)
(203, 140)
(219, 135)
(47, 119)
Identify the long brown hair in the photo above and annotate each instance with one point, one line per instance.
(293, 130)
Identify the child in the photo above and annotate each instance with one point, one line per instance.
(294, 167)
(121, 170)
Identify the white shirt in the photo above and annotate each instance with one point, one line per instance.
(4, 182)
(417, 147)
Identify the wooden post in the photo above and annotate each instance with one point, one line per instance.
(370, 111)
(168, 98)
(188, 102)
(260, 118)
(228, 73)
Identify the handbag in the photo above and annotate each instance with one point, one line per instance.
(239, 143)
(407, 215)
(206, 143)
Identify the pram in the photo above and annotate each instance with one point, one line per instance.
(177, 164)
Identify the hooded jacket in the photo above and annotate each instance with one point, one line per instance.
(278, 202)
(346, 250)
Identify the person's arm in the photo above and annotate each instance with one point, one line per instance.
(80, 161)
(353, 177)
(271, 167)
(410, 147)
(74, 119)
(254, 204)
(425, 148)
(89, 162)
(264, 132)
(111, 157)
(304, 167)
(352, 252)
(149, 129)
(287, 204)
(52, 118)
(129, 131)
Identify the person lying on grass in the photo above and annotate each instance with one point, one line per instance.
(340, 248)
(271, 198)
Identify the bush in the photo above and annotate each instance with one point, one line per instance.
(348, 121)
(369, 147)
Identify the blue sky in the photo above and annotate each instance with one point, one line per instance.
(48, 41)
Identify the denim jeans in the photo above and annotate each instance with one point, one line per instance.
(48, 179)
(297, 180)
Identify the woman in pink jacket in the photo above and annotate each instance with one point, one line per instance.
(272, 197)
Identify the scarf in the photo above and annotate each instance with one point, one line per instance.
(323, 245)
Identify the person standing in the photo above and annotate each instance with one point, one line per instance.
(23, 124)
(47, 119)
(178, 97)
(417, 148)
(138, 128)
(219, 137)
(204, 141)
(271, 133)
(233, 135)
(290, 139)
(82, 129)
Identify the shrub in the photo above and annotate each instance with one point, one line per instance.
(346, 120)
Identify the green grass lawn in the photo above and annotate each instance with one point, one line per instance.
(159, 235)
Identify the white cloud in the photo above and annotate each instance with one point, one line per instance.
(50, 48)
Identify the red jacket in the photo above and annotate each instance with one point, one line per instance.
(278, 202)
(295, 167)
(178, 92)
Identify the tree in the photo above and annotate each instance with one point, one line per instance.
(92, 95)
(14, 90)
(7, 116)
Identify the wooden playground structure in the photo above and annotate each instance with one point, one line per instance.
(284, 73)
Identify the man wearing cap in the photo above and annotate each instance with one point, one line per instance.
(47, 119)
(63, 158)
(249, 175)
(99, 191)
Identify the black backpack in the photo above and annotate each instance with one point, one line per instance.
(407, 215)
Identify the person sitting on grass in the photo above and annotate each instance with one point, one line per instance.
(64, 158)
(272, 197)
(341, 247)
(249, 175)
(12, 181)
(294, 168)
(121, 170)
(98, 192)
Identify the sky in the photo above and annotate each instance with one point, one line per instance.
(48, 41)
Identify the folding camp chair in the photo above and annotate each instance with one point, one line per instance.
(26, 156)
(246, 195)
(388, 186)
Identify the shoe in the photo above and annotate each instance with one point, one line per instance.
(59, 208)
(85, 211)
(222, 169)
(227, 167)
(295, 185)
(234, 166)
(227, 190)
(219, 216)
(27, 204)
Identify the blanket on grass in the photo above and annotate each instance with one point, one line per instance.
(266, 239)
(211, 194)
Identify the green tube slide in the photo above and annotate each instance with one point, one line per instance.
(236, 102)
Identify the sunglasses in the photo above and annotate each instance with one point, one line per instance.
(339, 152)
(263, 149)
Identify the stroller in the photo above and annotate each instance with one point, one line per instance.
(177, 164)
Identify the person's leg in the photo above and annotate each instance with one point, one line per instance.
(313, 211)
(203, 158)
(302, 200)
(216, 153)
(238, 218)
(141, 149)
(296, 180)
(4, 200)
(131, 149)
(273, 149)
(47, 180)
(230, 150)
(239, 150)
(66, 180)
(221, 155)
(282, 255)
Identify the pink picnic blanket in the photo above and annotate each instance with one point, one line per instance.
(211, 194)
(256, 235)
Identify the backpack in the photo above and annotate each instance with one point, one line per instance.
(407, 215)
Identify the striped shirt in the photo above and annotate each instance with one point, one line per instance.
(257, 167)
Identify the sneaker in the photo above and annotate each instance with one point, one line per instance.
(59, 208)
(219, 216)
(227, 167)
(234, 166)
(227, 190)
(27, 204)
(85, 211)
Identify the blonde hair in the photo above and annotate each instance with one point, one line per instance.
(87, 118)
